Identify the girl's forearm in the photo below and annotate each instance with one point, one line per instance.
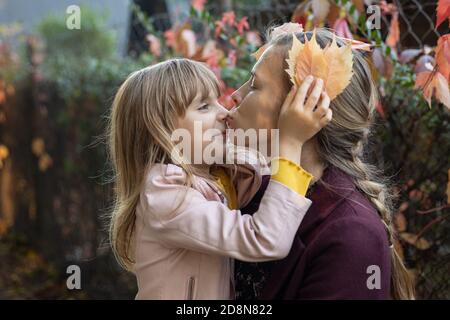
(291, 149)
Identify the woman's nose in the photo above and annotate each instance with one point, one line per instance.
(237, 98)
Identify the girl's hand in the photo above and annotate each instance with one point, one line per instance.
(300, 120)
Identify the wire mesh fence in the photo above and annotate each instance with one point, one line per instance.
(416, 18)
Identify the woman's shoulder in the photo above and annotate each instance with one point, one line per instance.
(355, 226)
(350, 239)
(358, 214)
(351, 215)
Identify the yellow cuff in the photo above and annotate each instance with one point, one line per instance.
(291, 175)
(227, 186)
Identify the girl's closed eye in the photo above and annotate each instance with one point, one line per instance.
(203, 107)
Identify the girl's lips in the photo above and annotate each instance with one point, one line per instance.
(222, 134)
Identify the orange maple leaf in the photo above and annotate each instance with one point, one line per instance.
(333, 64)
(433, 83)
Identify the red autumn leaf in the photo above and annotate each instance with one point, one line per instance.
(433, 83)
(209, 54)
(380, 109)
(442, 12)
(2, 96)
(219, 26)
(182, 40)
(299, 15)
(198, 4)
(400, 222)
(394, 32)
(341, 28)
(232, 58)
(299, 19)
(242, 25)
(170, 37)
(388, 8)
(443, 56)
(229, 18)
(154, 44)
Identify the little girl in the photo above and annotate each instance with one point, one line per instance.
(175, 224)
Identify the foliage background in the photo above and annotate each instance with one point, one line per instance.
(56, 88)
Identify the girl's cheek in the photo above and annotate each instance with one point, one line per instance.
(210, 120)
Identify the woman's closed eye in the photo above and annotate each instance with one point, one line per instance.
(252, 83)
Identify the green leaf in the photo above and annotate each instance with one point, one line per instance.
(352, 9)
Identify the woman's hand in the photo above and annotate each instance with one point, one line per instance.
(300, 120)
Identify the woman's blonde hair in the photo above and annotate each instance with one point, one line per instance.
(142, 119)
(341, 143)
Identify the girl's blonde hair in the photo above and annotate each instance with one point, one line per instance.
(142, 120)
(341, 142)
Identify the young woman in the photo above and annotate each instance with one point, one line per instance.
(344, 247)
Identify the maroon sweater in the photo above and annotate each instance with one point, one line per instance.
(339, 240)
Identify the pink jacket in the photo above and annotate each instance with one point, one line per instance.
(186, 237)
